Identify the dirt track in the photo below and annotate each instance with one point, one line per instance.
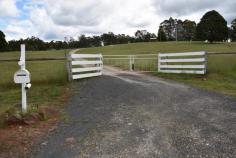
(132, 115)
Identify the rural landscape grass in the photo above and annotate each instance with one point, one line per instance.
(161, 47)
(49, 78)
(221, 71)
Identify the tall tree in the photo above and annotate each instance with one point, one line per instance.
(179, 29)
(84, 41)
(95, 41)
(212, 27)
(189, 29)
(233, 30)
(109, 38)
(3, 42)
(168, 27)
(173, 29)
(161, 34)
(140, 35)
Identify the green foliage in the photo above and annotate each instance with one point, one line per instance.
(143, 36)
(233, 30)
(212, 27)
(108, 38)
(161, 34)
(175, 29)
(189, 29)
(3, 43)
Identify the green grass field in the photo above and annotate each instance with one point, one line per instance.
(221, 75)
(161, 47)
(49, 78)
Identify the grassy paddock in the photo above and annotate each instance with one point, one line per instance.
(34, 54)
(161, 47)
(221, 68)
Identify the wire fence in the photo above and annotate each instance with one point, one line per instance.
(144, 62)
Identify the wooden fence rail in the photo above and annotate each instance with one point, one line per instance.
(84, 65)
(189, 62)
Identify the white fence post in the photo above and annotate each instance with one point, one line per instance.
(159, 64)
(130, 63)
(133, 62)
(206, 60)
(22, 77)
(69, 66)
(24, 97)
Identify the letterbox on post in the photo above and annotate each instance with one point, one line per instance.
(22, 77)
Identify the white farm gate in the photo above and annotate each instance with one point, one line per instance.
(188, 63)
(134, 62)
(84, 65)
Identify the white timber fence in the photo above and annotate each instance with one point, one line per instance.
(187, 63)
(84, 65)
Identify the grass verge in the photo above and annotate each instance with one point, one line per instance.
(49, 81)
(221, 75)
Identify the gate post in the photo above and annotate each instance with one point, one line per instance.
(158, 62)
(130, 63)
(133, 63)
(69, 66)
(205, 63)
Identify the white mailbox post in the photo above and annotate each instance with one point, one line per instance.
(22, 77)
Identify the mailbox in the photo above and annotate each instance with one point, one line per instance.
(22, 76)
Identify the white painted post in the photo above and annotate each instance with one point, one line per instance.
(69, 66)
(130, 63)
(133, 62)
(205, 63)
(159, 63)
(23, 90)
(101, 65)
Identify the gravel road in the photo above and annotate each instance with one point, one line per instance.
(133, 115)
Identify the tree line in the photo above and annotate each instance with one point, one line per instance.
(212, 27)
(35, 43)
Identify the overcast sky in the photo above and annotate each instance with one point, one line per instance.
(55, 19)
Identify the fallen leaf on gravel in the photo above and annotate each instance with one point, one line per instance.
(70, 141)
(129, 124)
(45, 143)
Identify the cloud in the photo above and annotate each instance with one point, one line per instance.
(191, 8)
(55, 19)
(8, 8)
(19, 29)
(83, 12)
(183, 7)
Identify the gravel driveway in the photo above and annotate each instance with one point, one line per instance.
(132, 115)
